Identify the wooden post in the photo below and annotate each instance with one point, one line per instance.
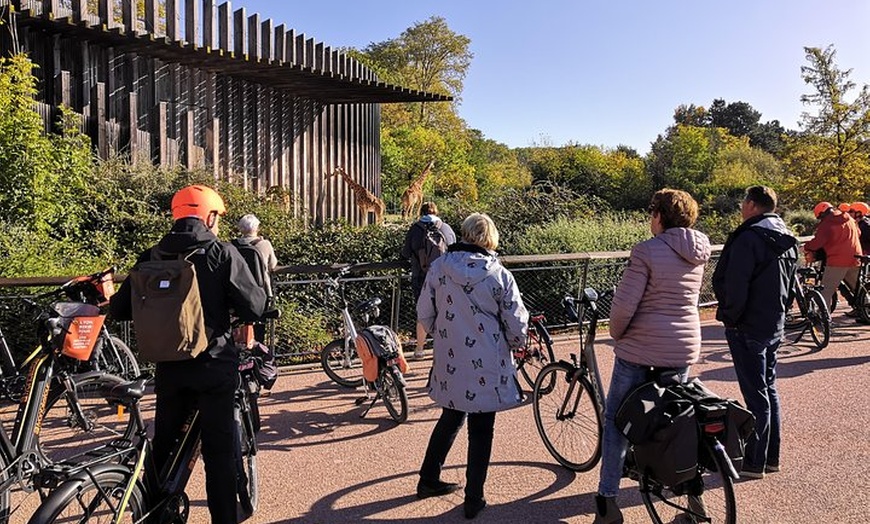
(187, 130)
(50, 8)
(224, 28)
(279, 47)
(191, 22)
(254, 36)
(98, 113)
(318, 57)
(152, 17)
(160, 130)
(266, 40)
(134, 126)
(130, 16)
(105, 10)
(240, 30)
(62, 89)
(290, 45)
(209, 35)
(309, 53)
(79, 10)
(173, 29)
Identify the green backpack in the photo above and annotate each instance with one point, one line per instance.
(167, 309)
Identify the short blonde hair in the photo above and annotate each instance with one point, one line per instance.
(479, 229)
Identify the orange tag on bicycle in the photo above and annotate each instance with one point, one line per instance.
(81, 336)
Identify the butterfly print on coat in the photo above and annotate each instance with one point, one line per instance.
(442, 280)
(469, 395)
(497, 292)
(451, 369)
(449, 316)
(480, 327)
(451, 405)
(496, 337)
(468, 288)
(503, 380)
(498, 395)
(475, 310)
(477, 363)
(444, 385)
(482, 381)
(450, 352)
(470, 342)
(471, 264)
(442, 333)
(449, 300)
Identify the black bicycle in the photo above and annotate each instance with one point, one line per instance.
(807, 310)
(134, 490)
(110, 354)
(568, 403)
(858, 298)
(62, 424)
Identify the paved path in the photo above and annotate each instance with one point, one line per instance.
(321, 463)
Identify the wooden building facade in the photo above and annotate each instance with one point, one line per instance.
(195, 83)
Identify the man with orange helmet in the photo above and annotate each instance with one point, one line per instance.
(860, 211)
(837, 236)
(209, 381)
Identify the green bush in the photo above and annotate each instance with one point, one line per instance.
(605, 232)
(801, 222)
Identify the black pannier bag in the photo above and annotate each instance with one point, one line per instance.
(661, 423)
(264, 365)
(664, 431)
(739, 422)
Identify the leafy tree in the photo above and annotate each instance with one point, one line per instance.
(40, 175)
(831, 159)
(428, 56)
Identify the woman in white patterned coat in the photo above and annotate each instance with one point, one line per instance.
(472, 307)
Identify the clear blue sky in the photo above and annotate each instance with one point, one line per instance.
(607, 72)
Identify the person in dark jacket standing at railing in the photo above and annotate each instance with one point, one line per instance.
(752, 282)
(209, 381)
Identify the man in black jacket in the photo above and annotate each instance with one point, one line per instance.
(208, 382)
(752, 283)
(417, 250)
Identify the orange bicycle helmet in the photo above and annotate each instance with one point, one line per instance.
(861, 207)
(844, 207)
(197, 201)
(821, 207)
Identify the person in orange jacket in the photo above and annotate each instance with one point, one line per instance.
(838, 237)
(860, 211)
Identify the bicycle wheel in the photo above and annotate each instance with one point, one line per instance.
(714, 489)
(247, 476)
(819, 318)
(862, 304)
(92, 498)
(538, 353)
(394, 395)
(567, 417)
(114, 357)
(342, 364)
(62, 435)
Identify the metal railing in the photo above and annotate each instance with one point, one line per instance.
(310, 320)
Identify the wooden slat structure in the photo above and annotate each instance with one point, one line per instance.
(207, 86)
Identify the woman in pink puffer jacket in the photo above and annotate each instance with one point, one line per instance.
(654, 322)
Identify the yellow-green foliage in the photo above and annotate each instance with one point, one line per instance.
(608, 232)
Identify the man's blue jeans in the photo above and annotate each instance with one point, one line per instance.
(626, 376)
(755, 365)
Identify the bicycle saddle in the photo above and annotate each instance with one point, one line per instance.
(125, 393)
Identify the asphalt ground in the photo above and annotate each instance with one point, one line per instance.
(321, 463)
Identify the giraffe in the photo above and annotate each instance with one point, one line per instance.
(412, 198)
(365, 200)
